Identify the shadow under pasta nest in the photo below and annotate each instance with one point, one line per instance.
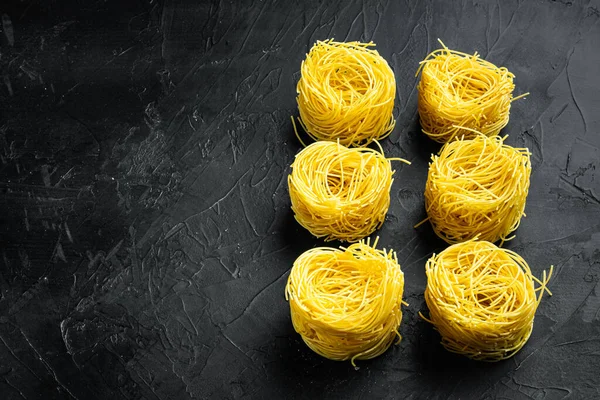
(299, 372)
(441, 369)
(295, 236)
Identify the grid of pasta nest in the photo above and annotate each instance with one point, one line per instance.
(346, 303)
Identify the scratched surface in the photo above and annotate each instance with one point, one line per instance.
(146, 232)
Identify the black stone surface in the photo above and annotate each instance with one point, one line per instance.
(146, 232)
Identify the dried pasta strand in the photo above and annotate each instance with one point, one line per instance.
(338, 192)
(458, 91)
(477, 188)
(346, 92)
(346, 303)
(482, 299)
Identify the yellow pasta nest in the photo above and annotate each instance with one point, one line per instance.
(482, 299)
(477, 188)
(346, 92)
(338, 192)
(346, 303)
(458, 91)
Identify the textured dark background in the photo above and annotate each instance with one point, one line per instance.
(146, 232)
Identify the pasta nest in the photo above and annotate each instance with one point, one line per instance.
(459, 91)
(346, 92)
(482, 299)
(338, 192)
(346, 303)
(477, 188)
